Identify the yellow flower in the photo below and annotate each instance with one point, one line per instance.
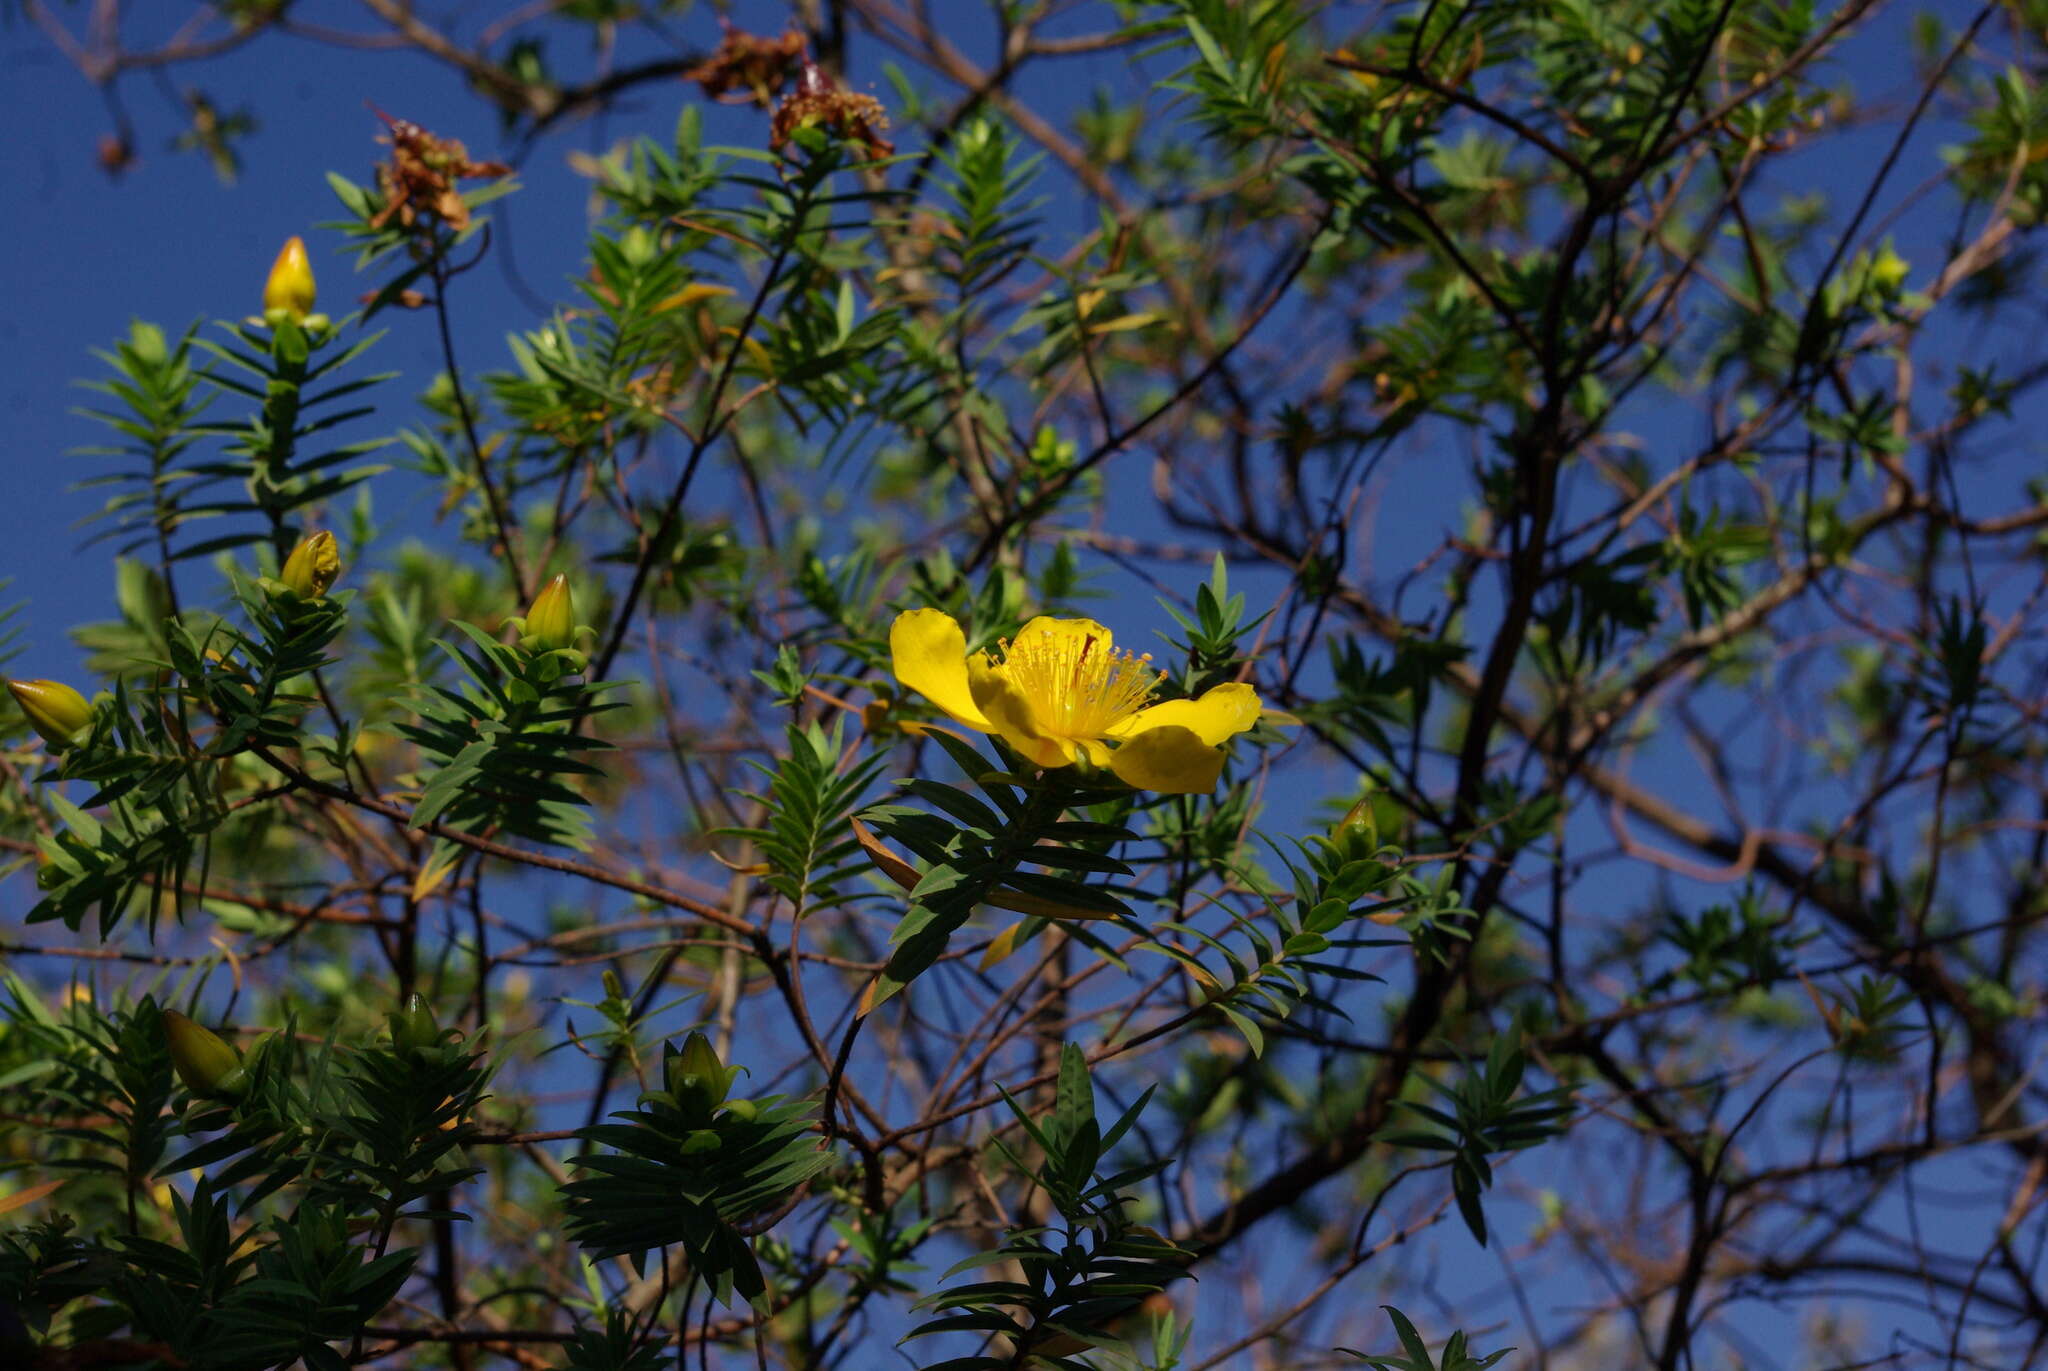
(290, 287)
(1061, 692)
(54, 710)
(312, 567)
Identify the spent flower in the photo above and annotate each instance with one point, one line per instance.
(747, 67)
(420, 177)
(820, 101)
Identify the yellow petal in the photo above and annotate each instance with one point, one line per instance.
(1221, 713)
(1088, 630)
(928, 652)
(1170, 759)
(999, 949)
(1009, 715)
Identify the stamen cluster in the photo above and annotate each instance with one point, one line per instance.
(1077, 686)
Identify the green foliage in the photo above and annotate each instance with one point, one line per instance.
(161, 397)
(1336, 882)
(162, 757)
(506, 741)
(973, 844)
(1079, 1278)
(1727, 948)
(1483, 1118)
(279, 367)
(808, 838)
(618, 1346)
(245, 1307)
(1213, 634)
(111, 1073)
(689, 1167)
(1456, 1357)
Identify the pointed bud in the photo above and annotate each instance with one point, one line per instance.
(695, 1076)
(614, 988)
(551, 619)
(1357, 834)
(312, 567)
(54, 710)
(290, 287)
(208, 1066)
(413, 1027)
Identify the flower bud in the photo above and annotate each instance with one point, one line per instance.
(551, 619)
(54, 710)
(695, 1076)
(1358, 832)
(413, 1027)
(209, 1067)
(290, 287)
(312, 567)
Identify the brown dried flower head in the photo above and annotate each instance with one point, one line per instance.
(821, 102)
(746, 63)
(116, 154)
(420, 177)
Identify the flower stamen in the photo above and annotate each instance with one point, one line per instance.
(1074, 690)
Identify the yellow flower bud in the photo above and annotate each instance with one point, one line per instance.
(290, 287)
(54, 710)
(551, 619)
(1888, 271)
(208, 1066)
(312, 567)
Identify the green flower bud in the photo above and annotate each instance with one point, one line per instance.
(209, 1067)
(413, 1027)
(551, 619)
(1357, 834)
(695, 1076)
(290, 287)
(54, 710)
(312, 567)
